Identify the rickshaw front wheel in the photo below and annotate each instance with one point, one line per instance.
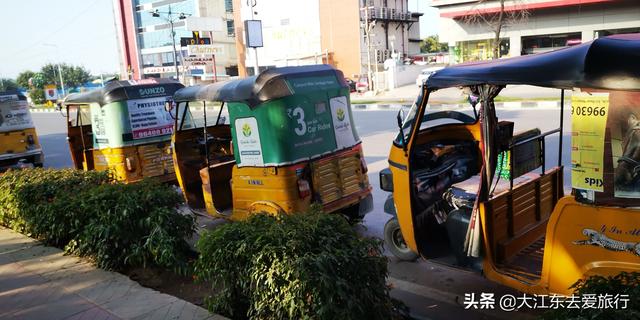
(395, 242)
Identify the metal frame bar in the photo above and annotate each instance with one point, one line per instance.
(561, 127)
(541, 137)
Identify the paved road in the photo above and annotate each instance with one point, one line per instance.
(431, 290)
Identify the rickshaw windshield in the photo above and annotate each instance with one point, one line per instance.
(438, 111)
(192, 114)
(409, 120)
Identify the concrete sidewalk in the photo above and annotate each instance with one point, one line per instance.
(39, 282)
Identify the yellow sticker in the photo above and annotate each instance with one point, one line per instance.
(588, 122)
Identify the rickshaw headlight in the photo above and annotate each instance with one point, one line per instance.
(386, 180)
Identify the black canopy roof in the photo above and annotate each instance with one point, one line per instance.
(270, 84)
(606, 63)
(125, 90)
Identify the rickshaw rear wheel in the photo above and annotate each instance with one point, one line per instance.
(394, 241)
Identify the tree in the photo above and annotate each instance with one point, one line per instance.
(23, 79)
(432, 44)
(37, 95)
(496, 21)
(8, 85)
(73, 76)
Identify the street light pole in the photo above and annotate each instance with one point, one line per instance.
(173, 41)
(171, 20)
(59, 69)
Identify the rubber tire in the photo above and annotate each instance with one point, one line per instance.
(395, 243)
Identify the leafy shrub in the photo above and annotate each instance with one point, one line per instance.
(115, 224)
(134, 224)
(624, 283)
(294, 267)
(44, 203)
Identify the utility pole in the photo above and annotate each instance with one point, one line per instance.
(171, 18)
(367, 30)
(59, 69)
(239, 31)
(256, 66)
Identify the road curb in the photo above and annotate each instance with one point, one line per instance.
(43, 110)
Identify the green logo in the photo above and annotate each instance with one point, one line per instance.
(340, 114)
(246, 130)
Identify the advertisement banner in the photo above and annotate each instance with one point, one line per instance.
(588, 122)
(50, 92)
(149, 118)
(249, 145)
(341, 122)
(14, 115)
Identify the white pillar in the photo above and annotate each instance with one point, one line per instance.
(587, 35)
(515, 45)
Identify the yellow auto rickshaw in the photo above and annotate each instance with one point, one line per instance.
(19, 144)
(123, 127)
(469, 192)
(289, 141)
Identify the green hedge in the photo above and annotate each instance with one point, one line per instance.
(115, 224)
(298, 266)
(625, 283)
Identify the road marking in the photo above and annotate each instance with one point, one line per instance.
(451, 299)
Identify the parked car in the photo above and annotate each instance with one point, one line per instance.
(363, 84)
(425, 73)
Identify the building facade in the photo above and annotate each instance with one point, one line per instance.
(549, 25)
(352, 35)
(146, 43)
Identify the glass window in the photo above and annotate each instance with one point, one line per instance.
(145, 18)
(231, 32)
(162, 38)
(150, 60)
(228, 5)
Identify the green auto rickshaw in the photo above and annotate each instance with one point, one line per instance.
(290, 141)
(123, 127)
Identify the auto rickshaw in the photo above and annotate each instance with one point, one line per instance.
(19, 144)
(469, 193)
(290, 142)
(123, 127)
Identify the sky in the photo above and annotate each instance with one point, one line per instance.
(82, 32)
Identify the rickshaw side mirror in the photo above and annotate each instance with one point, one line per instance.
(168, 106)
(473, 100)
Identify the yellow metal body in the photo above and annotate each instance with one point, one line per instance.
(399, 166)
(131, 164)
(16, 141)
(573, 235)
(14, 146)
(565, 260)
(272, 190)
(338, 182)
